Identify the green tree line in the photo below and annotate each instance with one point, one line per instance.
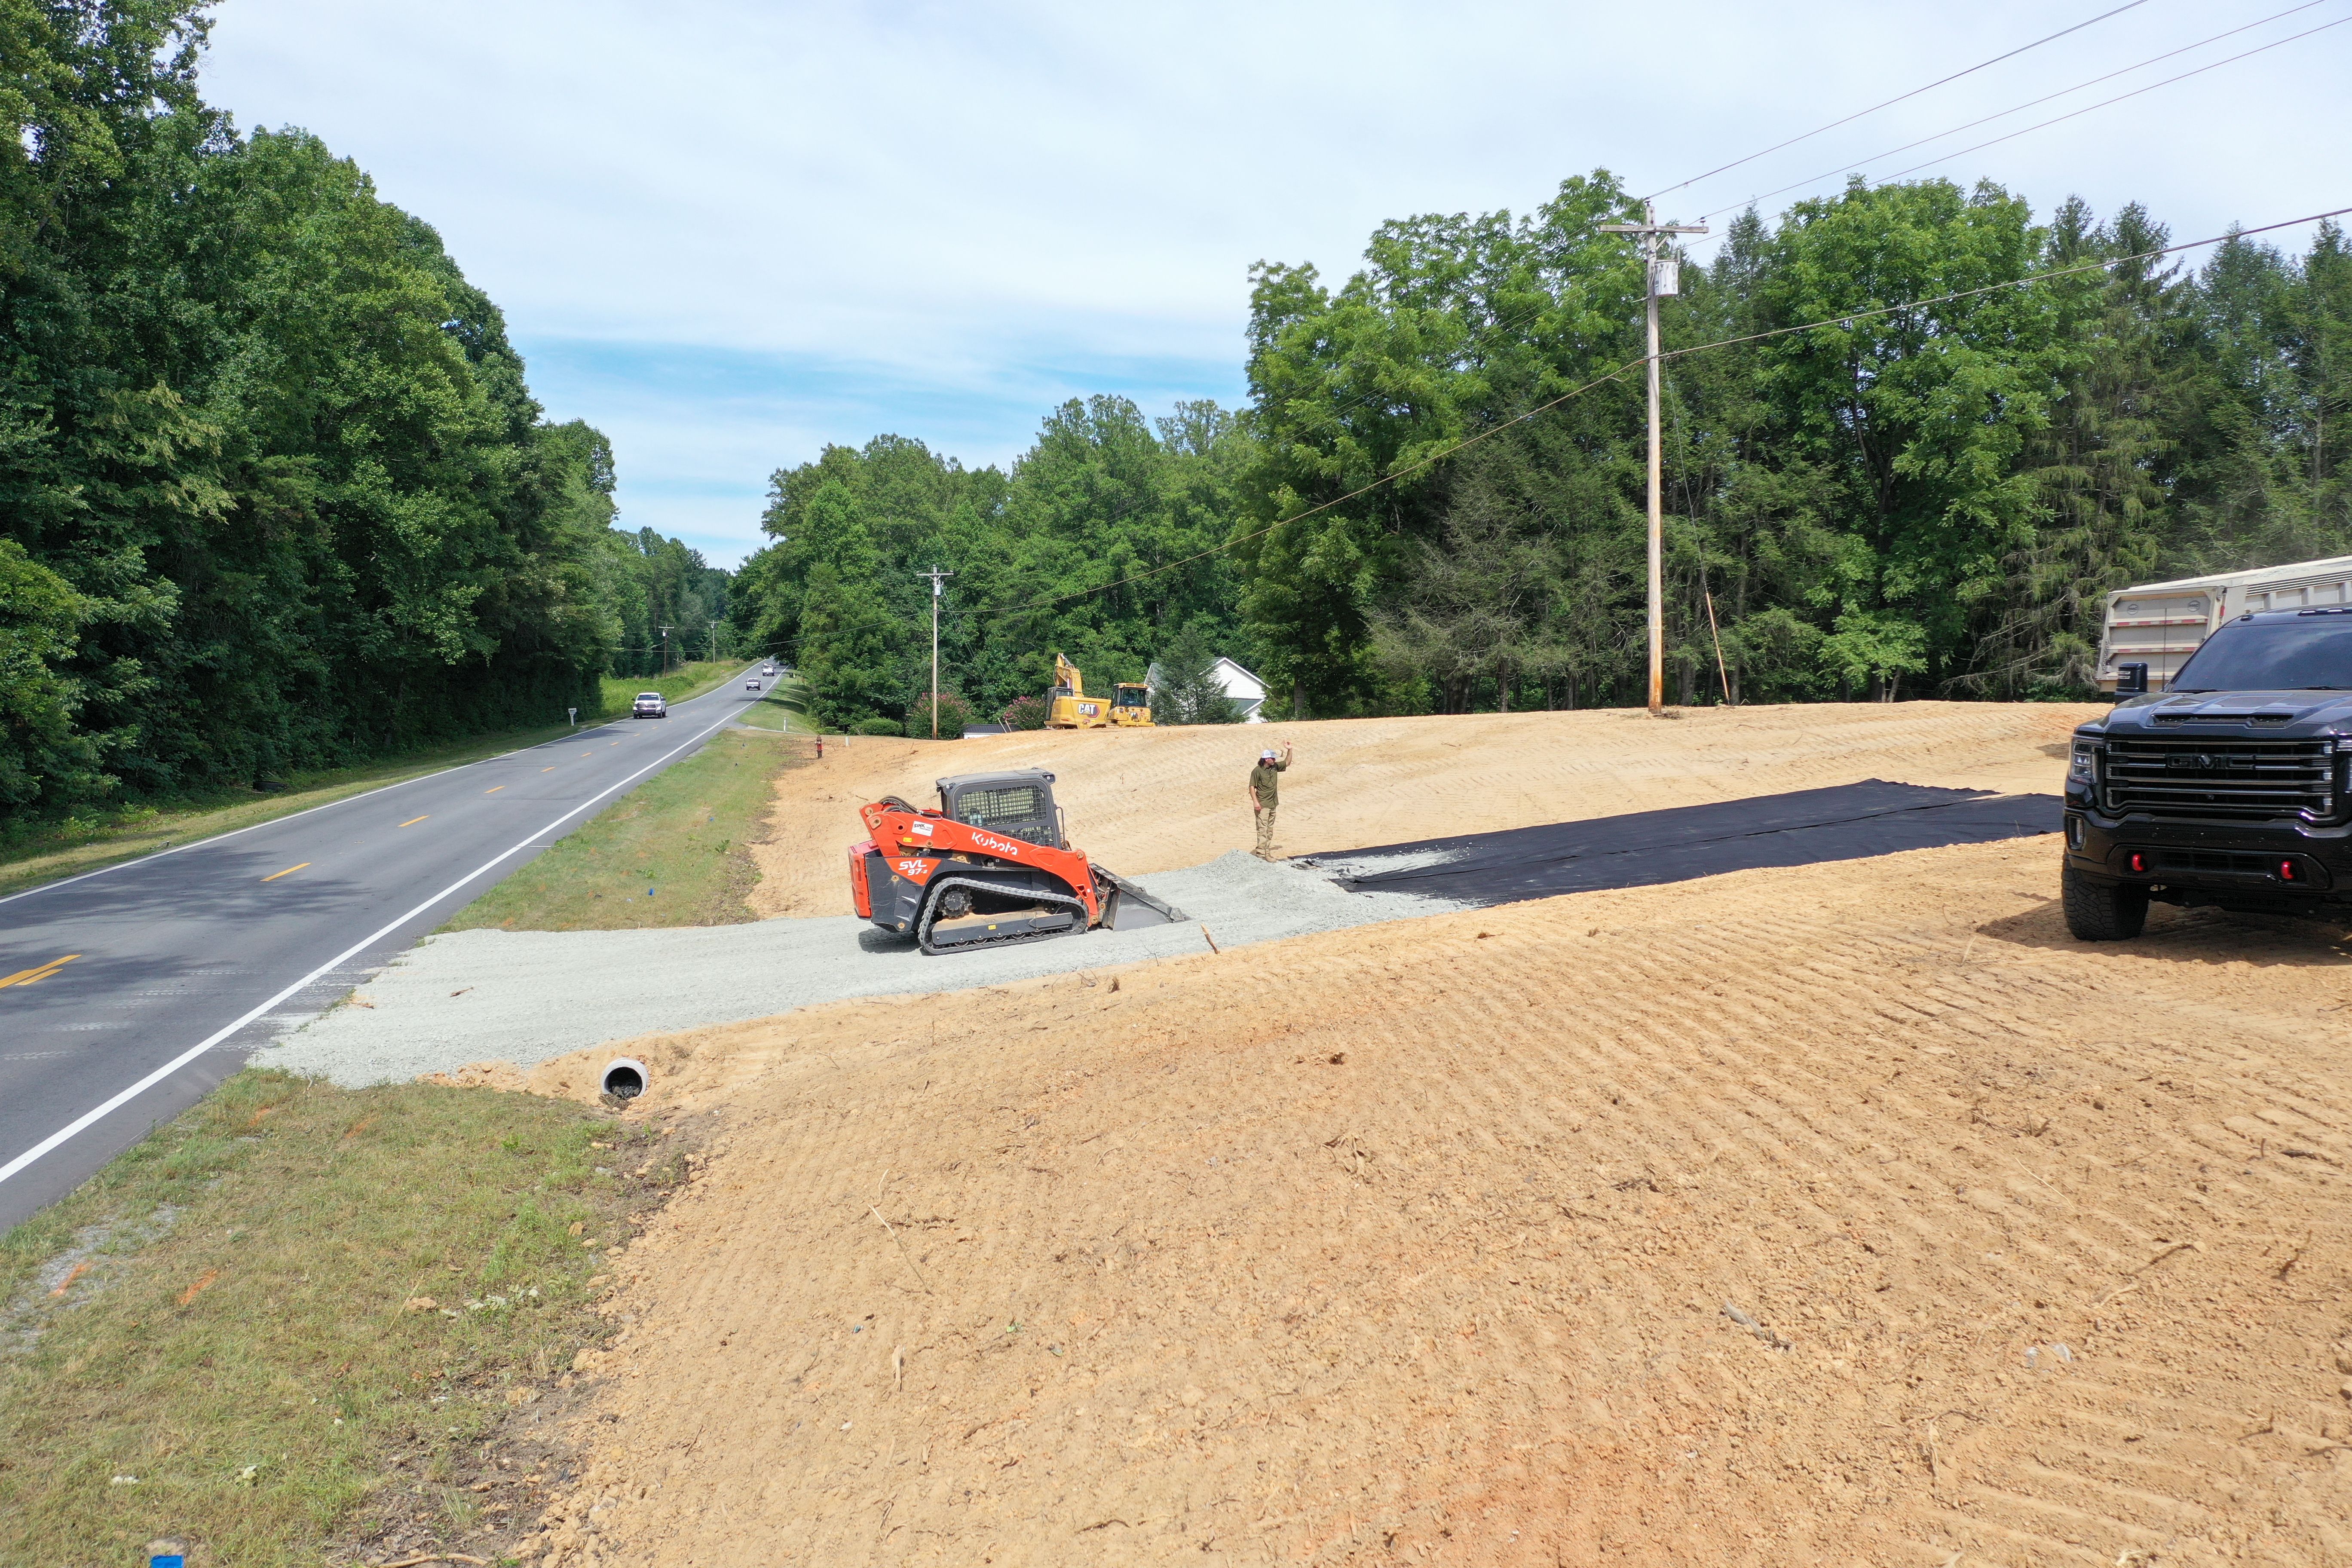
(1104, 541)
(1927, 500)
(274, 493)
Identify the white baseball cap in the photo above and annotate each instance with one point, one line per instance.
(1267, 756)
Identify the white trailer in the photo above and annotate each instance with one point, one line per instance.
(2161, 623)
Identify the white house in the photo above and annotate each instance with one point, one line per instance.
(1239, 684)
(1243, 687)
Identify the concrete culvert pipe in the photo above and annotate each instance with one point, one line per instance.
(625, 1079)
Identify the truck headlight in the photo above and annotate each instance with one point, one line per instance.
(2085, 768)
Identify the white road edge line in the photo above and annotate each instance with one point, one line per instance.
(328, 805)
(192, 1052)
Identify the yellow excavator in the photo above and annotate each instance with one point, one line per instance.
(1068, 706)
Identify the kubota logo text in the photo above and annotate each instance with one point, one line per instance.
(995, 845)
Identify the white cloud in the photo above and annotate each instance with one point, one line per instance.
(952, 202)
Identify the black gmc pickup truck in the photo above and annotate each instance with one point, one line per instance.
(2226, 789)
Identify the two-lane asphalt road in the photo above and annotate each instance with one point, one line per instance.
(127, 993)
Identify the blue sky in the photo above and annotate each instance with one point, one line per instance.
(727, 233)
(698, 427)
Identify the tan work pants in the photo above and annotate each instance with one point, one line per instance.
(1266, 832)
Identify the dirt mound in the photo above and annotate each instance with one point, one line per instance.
(1150, 800)
(1848, 1214)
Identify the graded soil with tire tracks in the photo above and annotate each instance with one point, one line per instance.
(1153, 800)
(1423, 1243)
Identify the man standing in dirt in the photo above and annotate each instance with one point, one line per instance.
(1262, 794)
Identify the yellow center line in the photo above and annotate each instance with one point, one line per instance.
(34, 976)
(547, 770)
(414, 820)
(494, 789)
(288, 872)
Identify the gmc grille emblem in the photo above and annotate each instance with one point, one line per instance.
(2205, 761)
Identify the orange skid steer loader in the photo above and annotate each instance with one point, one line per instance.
(991, 865)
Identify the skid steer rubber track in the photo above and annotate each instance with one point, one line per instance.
(987, 935)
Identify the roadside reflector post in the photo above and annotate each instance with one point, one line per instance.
(574, 712)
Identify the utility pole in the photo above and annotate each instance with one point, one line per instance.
(714, 641)
(1662, 278)
(937, 577)
(665, 651)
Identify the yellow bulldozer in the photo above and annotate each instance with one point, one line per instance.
(1068, 706)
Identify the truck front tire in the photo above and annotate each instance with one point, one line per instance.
(2102, 911)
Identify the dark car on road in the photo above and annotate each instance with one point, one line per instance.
(649, 705)
(2226, 789)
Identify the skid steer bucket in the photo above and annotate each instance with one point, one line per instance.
(1131, 907)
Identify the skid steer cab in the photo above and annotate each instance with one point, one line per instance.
(991, 866)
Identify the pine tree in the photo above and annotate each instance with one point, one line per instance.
(1187, 690)
(850, 641)
(2097, 461)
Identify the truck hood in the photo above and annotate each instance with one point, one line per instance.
(2290, 715)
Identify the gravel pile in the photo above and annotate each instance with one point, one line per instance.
(525, 996)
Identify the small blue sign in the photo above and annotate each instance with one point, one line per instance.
(173, 1561)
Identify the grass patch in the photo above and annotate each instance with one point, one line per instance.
(231, 1314)
(91, 842)
(784, 707)
(686, 680)
(82, 844)
(683, 833)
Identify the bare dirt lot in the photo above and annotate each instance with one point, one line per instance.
(1414, 1243)
(1153, 800)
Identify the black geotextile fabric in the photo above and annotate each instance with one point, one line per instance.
(1846, 821)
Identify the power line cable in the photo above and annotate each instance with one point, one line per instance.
(1506, 324)
(1844, 318)
(2030, 104)
(1899, 98)
(1502, 323)
(1948, 157)
(1509, 323)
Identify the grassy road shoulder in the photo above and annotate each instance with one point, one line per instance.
(72, 849)
(675, 851)
(302, 1316)
(784, 707)
(686, 681)
(90, 844)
